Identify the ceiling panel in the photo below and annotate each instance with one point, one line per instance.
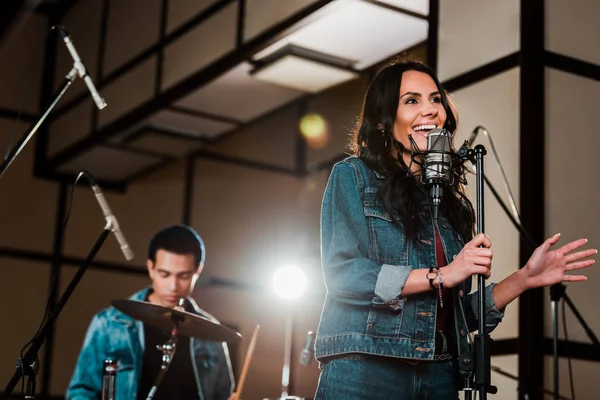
(171, 145)
(418, 6)
(111, 164)
(239, 96)
(195, 126)
(125, 133)
(358, 30)
(303, 74)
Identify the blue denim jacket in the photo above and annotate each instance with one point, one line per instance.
(112, 334)
(366, 262)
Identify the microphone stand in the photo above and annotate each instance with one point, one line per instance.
(19, 147)
(557, 291)
(481, 356)
(27, 366)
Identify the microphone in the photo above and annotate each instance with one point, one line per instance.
(306, 355)
(80, 67)
(437, 165)
(110, 218)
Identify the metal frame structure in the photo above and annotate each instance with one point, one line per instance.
(532, 58)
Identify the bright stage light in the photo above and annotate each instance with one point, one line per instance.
(315, 131)
(289, 282)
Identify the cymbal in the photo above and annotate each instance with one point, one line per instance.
(189, 324)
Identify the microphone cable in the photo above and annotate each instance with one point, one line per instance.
(511, 199)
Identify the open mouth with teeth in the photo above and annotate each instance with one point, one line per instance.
(424, 129)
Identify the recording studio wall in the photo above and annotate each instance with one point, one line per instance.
(572, 87)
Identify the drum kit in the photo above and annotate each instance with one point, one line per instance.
(181, 323)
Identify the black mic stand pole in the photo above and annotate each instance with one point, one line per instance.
(28, 364)
(17, 149)
(481, 356)
(482, 338)
(557, 291)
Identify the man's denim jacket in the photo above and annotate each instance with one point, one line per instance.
(366, 262)
(112, 334)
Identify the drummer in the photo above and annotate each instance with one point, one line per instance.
(199, 370)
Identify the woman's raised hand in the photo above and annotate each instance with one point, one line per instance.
(547, 267)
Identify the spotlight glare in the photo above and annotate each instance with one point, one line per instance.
(289, 282)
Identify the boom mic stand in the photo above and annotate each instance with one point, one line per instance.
(481, 356)
(557, 291)
(78, 69)
(27, 366)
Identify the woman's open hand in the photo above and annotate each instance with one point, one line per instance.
(547, 267)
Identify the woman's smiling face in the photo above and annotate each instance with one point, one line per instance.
(420, 110)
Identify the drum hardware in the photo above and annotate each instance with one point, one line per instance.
(168, 352)
(180, 323)
(189, 324)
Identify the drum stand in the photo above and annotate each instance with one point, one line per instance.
(168, 349)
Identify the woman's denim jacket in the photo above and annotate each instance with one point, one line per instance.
(366, 262)
(112, 334)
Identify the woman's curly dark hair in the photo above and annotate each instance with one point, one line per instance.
(374, 143)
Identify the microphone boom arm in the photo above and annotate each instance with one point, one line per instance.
(78, 69)
(69, 78)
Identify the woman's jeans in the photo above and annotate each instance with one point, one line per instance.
(366, 377)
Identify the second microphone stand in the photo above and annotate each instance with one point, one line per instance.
(481, 351)
(27, 366)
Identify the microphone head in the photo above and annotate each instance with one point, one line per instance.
(437, 162)
(306, 355)
(438, 140)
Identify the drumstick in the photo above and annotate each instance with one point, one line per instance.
(244, 373)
